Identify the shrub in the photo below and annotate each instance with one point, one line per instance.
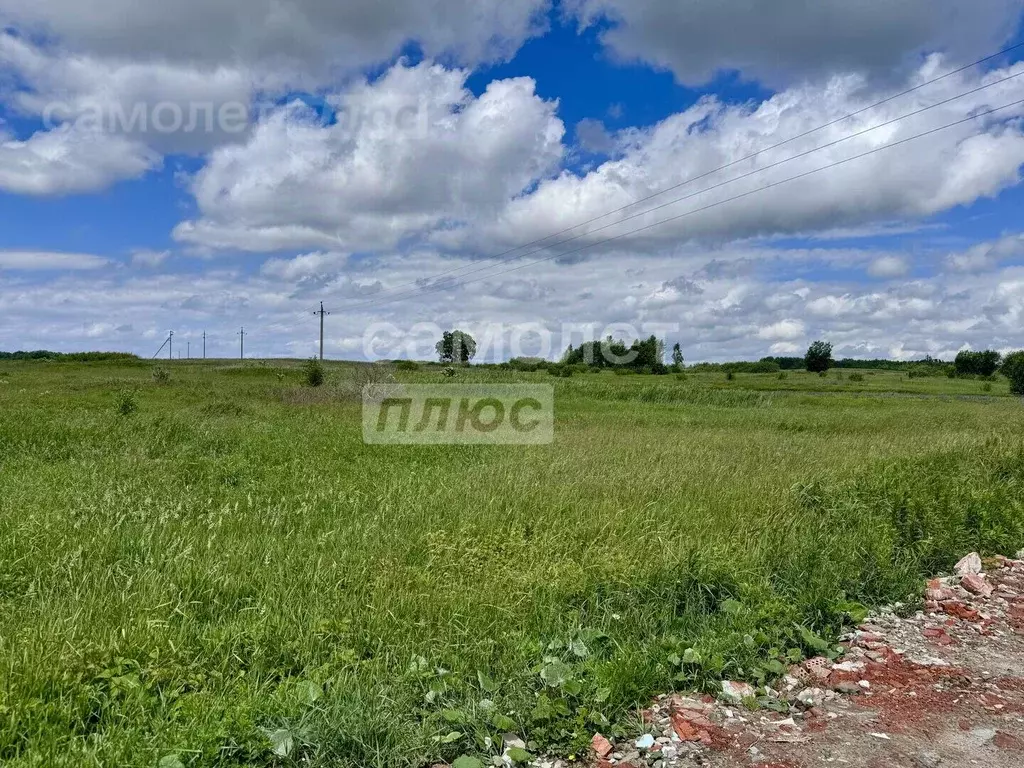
(449, 372)
(562, 371)
(409, 366)
(681, 376)
(126, 402)
(1013, 369)
(526, 364)
(729, 375)
(782, 376)
(856, 377)
(161, 376)
(976, 363)
(313, 373)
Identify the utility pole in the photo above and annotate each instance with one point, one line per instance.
(170, 346)
(166, 342)
(321, 313)
(188, 350)
(241, 342)
(204, 345)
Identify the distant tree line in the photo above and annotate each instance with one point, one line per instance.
(878, 364)
(71, 357)
(647, 356)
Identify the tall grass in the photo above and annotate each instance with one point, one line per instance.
(225, 574)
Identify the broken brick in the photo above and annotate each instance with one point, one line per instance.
(976, 585)
(601, 746)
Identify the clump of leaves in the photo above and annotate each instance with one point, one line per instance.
(126, 402)
(449, 372)
(313, 373)
(161, 376)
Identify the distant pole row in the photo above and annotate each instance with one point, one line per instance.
(242, 333)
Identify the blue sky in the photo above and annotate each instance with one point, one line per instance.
(459, 130)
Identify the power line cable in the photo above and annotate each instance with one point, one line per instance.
(731, 164)
(485, 267)
(739, 196)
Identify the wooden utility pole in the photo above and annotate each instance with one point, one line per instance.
(241, 344)
(204, 345)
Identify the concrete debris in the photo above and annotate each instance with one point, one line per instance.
(736, 692)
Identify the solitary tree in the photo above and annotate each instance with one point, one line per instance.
(819, 357)
(677, 355)
(456, 347)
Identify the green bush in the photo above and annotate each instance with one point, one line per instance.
(1013, 369)
(126, 402)
(976, 363)
(161, 376)
(409, 366)
(313, 373)
(856, 377)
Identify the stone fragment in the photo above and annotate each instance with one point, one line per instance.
(927, 760)
(969, 565)
(848, 687)
(811, 697)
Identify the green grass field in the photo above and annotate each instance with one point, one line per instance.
(229, 576)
